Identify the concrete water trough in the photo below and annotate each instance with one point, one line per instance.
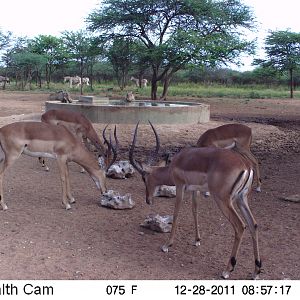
(103, 110)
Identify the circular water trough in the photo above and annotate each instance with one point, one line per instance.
(120, 112)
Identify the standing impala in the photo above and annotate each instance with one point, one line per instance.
(75, 122)
(227, 175)
(52, 141)
(231, 136)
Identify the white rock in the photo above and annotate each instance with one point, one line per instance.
(114, 200)
(165, 191)
(120, 170)
(158, 223)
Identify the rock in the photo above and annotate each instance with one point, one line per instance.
(165, 191)
(114, 200)
(158, 223)
(293, 198)
(120, 170)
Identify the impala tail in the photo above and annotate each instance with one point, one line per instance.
(242, 184)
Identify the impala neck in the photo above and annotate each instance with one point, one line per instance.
(85, 159)
(158, 176)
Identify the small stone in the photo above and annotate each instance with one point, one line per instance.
(165, 191)
(120, 170)
(293, 198)
(114, 200)
(158, 223)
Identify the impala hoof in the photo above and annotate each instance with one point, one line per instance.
(4, 207)
(68, 206)
(258, 189)
(165, 249)
(225, 275)
(255, 276)
(197, 243)
(47, 169)
(72, 200)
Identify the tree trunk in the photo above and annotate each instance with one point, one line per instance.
(166, 86)
(81, 75)
(291, 84)
(154, 83)
(153, 89)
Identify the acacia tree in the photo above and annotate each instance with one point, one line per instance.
(26, 63)
(52, 48)
(81, 47)
(176, 32)
(120, 55)
(283, 54)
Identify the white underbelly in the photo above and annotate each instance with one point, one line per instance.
(39, 154)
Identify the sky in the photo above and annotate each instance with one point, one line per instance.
(51, 17)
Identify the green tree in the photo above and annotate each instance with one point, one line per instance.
(5, 41)
(54, 51)
(176, 32)
(120, 55)
(26, 63)
(82, 47)
(283, 54)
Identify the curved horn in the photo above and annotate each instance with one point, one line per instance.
(114, 149)
(135, 163)
(110, 148)
(155, 154)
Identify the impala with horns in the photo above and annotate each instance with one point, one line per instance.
(52, 141)
(83, 129)
(232, 136)
(228, 176)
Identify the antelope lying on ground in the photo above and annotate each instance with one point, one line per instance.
(227, 175)
(62, 96)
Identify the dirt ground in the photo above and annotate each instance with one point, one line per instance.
(41, 240)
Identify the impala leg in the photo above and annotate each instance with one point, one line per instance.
(62, 165)
(242, 203)
(3, 205)
(195, 203)
(69, 194)
(4, 164)
(238, 225)
(179, 197)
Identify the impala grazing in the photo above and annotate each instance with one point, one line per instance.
(39, 139)
(76, 123)
(226, 174)
(231, 136)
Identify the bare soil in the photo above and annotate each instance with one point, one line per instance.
(41, 240)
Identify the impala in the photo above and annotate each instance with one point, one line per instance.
(76, 123)
(226, 174)
(39, 139)
(231, 136)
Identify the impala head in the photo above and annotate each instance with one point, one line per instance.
(99, 178)
(147, 171)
